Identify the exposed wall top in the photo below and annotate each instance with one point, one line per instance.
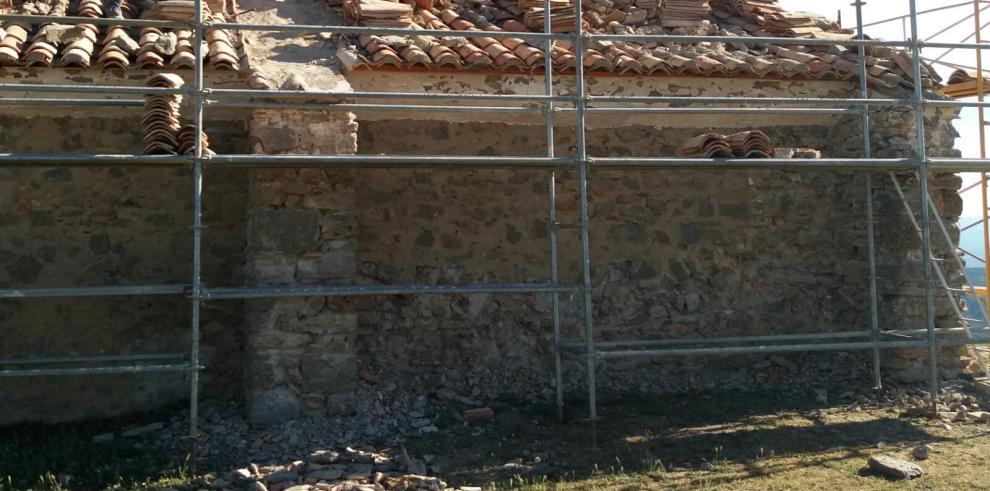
(743, 18)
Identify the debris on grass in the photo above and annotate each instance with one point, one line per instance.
(922, 452)
(894, 468)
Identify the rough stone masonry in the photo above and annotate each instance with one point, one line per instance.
(674, 254)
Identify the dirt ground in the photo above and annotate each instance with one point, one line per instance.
(738, 441)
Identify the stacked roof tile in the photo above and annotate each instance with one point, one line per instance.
(731, 18)
(535, 16)
(683, 13)
(187, 140)
(113, 47)
(751, 144)
(379, 13)
(962, 76)
(160, 119)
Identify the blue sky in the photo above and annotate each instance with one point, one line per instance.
(930, 26)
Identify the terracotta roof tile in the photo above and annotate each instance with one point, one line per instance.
(746, 145)
(737, 18)
(113, 47)
(160, 117)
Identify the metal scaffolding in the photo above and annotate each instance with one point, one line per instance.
(578, 103)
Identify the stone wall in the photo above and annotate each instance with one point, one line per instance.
(674, 254)
(63, 227)
(301, 231)
(899, 265)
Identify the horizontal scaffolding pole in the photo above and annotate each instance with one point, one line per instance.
(388, 31)
(940, 103)
(959, 165)
(92, 359)
(44, 372)
(717, 110)
(92, 89)
(378, 107)
(347, 290)
(72, 102)
(46, 19)
(528, 109)
(578, 347)
(69, 159)
(332, 94)
(792, 348)
(255, 104)
(383, 161)
(974, 46)
(816, 101)
(671, 38)
(782, 164)
(94, 291)
(941, 330)
(443, 161)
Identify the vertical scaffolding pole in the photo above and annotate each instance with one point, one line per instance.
(197, 232)
(552, 215)
(864, 93)
(980, 96)
(583, 162)
(926, 240)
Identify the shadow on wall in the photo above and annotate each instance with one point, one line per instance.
(79, 226)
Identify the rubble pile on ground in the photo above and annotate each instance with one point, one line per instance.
(381, 418)
(344, 470)
(960, 401)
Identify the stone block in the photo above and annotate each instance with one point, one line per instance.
(338, 224)
(313, 404)
(267, 339)
(734, 210)
(689, 234)
(264, 369)
(628, 232)
(342, 404)
(272, 406)
(328, 200)
(271, 269)
(276, 139)
(330, 265)
(328, 373)
(286, 231)
(334, 341)
(329, 321)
